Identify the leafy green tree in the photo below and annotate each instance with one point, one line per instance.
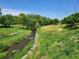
(16, 20)
(55, 21)
(71, 21)
(29, 21)
(22, 19)
(6, 20)
(32, 21)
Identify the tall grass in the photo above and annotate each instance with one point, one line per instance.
(11, 36)
(55, 44)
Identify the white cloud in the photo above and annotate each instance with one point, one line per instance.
(11, 11)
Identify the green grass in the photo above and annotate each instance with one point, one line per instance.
(56, 43)
(24, 51)
(10, 36)
(3, 54)
(53, 42)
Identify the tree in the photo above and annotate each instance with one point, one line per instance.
(32, 21)
(29, 21)
(71, 21)
(55, 21)
(22, 19)
(6, 20)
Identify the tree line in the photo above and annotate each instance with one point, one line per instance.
(71, 21)
(30, 21)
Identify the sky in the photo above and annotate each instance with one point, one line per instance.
(49, 8)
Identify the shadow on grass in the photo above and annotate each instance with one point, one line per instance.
(6, 27)
(70, 27)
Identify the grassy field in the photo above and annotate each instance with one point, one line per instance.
(56, 43)
(10, 36)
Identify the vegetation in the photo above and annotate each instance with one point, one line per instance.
(24, 51)
(71, 21)
(29, 21)
(6, 20)
(11, 36)
(56, 43)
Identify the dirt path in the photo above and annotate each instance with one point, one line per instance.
(20, 45)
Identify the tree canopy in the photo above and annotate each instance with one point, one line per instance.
(71, 20)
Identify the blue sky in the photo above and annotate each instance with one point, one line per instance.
(49, 8)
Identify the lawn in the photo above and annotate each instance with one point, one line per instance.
(56, 43)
